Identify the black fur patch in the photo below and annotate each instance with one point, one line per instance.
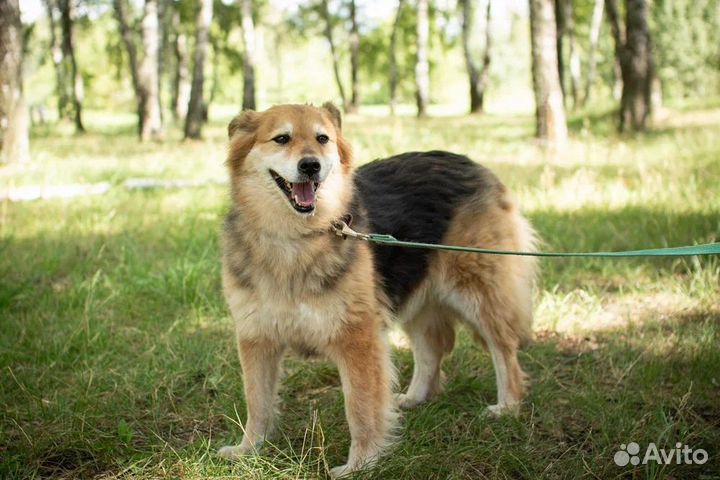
(413, 197)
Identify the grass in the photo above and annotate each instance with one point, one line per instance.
(117, 351)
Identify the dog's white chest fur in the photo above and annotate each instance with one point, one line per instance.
(288, 318)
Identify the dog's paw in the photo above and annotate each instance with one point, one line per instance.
(341, 471)
(498, 410)
(235, 452)
(406, 402)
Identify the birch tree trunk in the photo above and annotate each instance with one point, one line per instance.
(594, 36)
(248, 30)
(151, 123)
(422, 66)
(478, 76)
(77, 89)
(196, 107)
(14, 116)
(325, 12)
(181, 80)
(551, 126)
(354, 59)
(393, 58)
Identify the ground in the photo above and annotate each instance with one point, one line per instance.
(117, 351)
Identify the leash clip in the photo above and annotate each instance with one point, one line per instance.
(341, 229)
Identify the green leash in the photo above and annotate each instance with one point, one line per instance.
(342, 229)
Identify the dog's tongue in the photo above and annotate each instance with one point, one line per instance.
(304, 193)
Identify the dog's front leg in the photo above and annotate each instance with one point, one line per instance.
(363, 360)
(260, 361)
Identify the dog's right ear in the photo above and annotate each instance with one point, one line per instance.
(245, 122)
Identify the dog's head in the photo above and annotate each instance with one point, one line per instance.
(290, 160)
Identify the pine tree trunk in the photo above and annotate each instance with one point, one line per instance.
(422, 66)
(393, 58)
(147, 74)
(354, 59)
(478, 77)
(77, 89)
(594, 37)
(551, 126)
(634, 54)
(248, 35)
(325, 12)
(196, 106)
(14, 116)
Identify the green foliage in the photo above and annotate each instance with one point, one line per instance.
(686, 38)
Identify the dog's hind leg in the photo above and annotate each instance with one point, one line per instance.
(431, 337)
(494, 319)
(261, 365)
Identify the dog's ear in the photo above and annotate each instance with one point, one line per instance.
(244, 122)
(335, 115)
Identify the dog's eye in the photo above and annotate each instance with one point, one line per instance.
(282, 139)
(322, 139)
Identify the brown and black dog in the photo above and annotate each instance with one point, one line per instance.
(292, 284)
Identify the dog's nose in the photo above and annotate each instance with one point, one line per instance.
(309, 165)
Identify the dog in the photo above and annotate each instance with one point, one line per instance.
(291, 284)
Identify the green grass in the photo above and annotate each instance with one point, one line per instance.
(117, 351)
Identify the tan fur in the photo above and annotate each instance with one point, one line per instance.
(290, 284)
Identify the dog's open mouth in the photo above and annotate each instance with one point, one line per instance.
(301, 195)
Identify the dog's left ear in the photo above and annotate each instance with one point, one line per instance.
(334, 113)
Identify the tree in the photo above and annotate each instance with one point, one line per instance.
(551, 126)
(393, 58)
(248, 30)
(478, 76)
(196, 108)
(148, 72)
(328, 30)
(422, 66)
(354, 59)
(634, 54)
(71, 69)
(565, 30)
(594, 36)
(14, 117)
(181, 77)
(144, 76)
(57, 59)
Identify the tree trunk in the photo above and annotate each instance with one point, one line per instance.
(393, 58)
(573, 54)
(478, 77)
(422, 66)
(57, 59)
(325, 12)
(551, 127)
(354, 59)
(127, 37)
(147, 73)
(248, 35)
(560, 29)
(634, 54)
(594, 36)
(181, 80)
(14, 116)
(196, 106)
(77, 90)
